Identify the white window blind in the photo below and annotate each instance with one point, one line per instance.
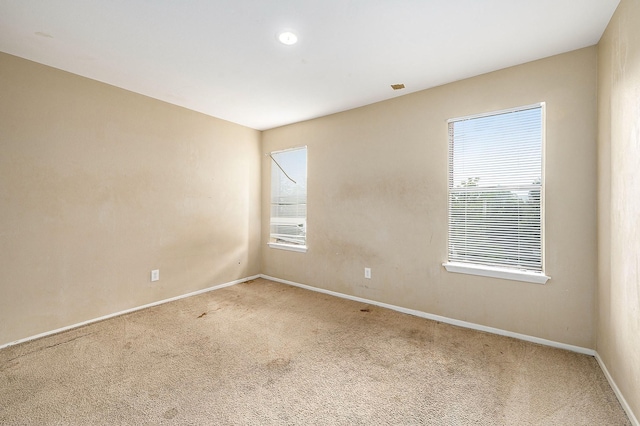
(288, 225)
(495, 189)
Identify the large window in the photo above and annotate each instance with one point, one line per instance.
(495, 194)
(288, 225)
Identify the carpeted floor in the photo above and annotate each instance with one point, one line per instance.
(267, 353)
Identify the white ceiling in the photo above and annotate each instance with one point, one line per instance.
(222, 57)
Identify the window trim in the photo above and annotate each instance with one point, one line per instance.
(495, 272)
(283, 246)
(505, 111)
(491, 271)
(289, 247)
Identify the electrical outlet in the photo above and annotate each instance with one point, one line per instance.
(367, 273)
(155, 275)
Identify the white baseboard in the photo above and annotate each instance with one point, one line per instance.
(446, 320)
(616, 390)
(578, 349)
(465, 324)
(149, 305)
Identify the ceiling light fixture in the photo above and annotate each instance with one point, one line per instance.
(288, 38)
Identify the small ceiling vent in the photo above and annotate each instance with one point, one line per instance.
(397, 86)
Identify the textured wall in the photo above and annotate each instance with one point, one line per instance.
(99, 185)
(618, 328)
(377, 185)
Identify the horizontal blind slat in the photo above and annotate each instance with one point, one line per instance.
(289, 196)
(495, 175)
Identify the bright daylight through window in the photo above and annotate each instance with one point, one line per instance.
(288, 225)
(495, 194)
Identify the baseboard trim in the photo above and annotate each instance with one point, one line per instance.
(459, 323)
(127, 311)
(586, 351)
(625, 405)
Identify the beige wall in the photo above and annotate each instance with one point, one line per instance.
(377, 183)
(618, 331)
(99, 185)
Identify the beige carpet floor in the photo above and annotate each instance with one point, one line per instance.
(266, 353)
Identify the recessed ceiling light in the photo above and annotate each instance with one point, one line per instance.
(288, 38)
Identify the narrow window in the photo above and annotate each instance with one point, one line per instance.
(288, 225)
(495, 193)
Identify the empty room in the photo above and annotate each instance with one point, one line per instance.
(326, 212)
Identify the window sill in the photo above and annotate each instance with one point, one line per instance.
(494, 272)
(290, 247)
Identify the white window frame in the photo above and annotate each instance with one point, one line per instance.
(509, 273)
(278, 245)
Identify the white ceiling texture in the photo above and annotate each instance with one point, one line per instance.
(223, 58)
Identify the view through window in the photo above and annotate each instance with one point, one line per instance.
(288, 226)
(495, 189)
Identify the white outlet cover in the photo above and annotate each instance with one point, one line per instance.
(367, 273)
(155, 275)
